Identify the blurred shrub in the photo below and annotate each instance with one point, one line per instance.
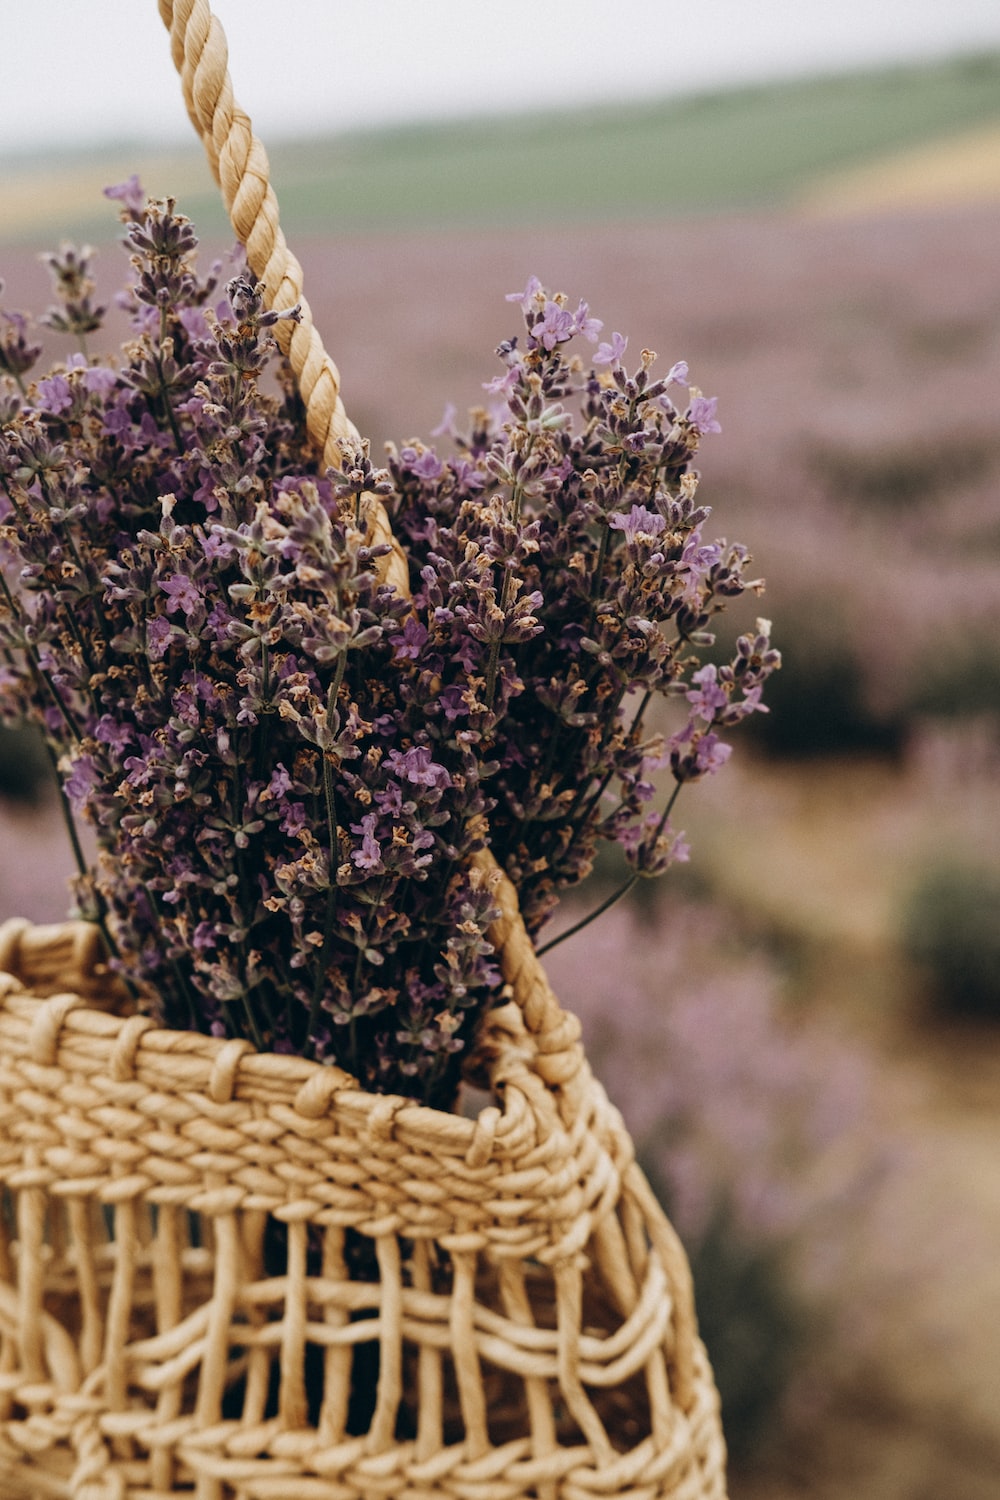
(943, 337)
(891, 478)
(758, 1131)
(818, 703)
(961, 680)
(752, 1322)
(951, 929)
(25, 769)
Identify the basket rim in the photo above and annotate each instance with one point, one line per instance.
(66, 1030)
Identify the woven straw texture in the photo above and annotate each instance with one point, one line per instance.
(240, 1277)
(529, 1304)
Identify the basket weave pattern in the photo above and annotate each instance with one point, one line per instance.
(206, 1253)
(145, 1352)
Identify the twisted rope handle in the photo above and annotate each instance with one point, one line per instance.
(239, 163)
(240, 166)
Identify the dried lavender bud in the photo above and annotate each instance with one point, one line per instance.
(18, 354)
(196, 618)
(286, 765)
(70, 269)
(592, 516)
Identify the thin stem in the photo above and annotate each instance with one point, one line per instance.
(595, 577)
(245, 910)
(196, 1021)
(39, 671)
(264, 722)
(71, 828)
(594, 801)
(352, 1044)
(330, 800)
(362, 947)
(445, 882)
(493, 665)
(100, 916)
(256, 1036)
(178, 972)
(598, 911)
(619, 894)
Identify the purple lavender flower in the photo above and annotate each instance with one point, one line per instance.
(526, 299)
(601, 523)
(696, 752)
(428, 465)
(412, 639)
(80, 781)
(368, 856)
(287, 767)
(17, 353)
(129, 194)
(611, 354)
(415, 765)
(446, 426)
(181, 594)
(557, 325)
(708, 695)
(502, 385)
(638, 523)
(54, 395)
(701, 414)
(585, 325)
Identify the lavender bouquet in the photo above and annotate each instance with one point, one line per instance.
(286, 765)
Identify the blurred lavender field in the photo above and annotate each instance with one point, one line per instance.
(826, 1140)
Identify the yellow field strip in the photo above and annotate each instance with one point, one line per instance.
(44, 198)
(960, 170)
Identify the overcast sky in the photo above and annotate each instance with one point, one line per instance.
(87, 71)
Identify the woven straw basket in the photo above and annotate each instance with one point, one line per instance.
(503, 1286)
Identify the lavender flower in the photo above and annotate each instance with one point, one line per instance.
(17, 353)
(565, 538)
(74, 286)
(193, 614)
(130, 195)
(613, 353)
(288, 766)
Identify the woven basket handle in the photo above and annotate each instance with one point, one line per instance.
(239, 163)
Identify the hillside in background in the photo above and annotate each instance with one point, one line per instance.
(750, 147)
